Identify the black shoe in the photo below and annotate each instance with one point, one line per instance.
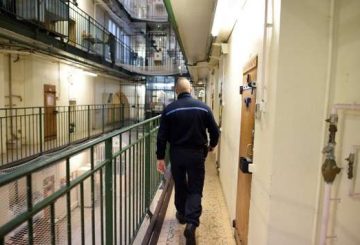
(180, 218)
(189, 234)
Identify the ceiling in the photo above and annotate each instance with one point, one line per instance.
(194, 20)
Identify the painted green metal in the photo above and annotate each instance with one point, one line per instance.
(109, 192)
(172, 20)
(29, 206)
(82, 215)
(128, 210)
(40, 129)
(52, 224)
(147, 166)
(68, 201)
(92, 160)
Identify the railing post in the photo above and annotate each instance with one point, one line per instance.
(88, 117)
(147, 164)
(38, 10)
(108, 192)
(104, 45)
(103, 118)
(89, 34)
(122, 114)
(40, 130)
(69, 121)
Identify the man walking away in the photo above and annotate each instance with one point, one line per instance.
(183, 124)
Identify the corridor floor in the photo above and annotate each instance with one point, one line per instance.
(214, 226)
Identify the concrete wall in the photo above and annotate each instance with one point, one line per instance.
(3, 80)
(286, 194)
(245, 42)
(345, 87)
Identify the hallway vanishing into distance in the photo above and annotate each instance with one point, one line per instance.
(83, 84)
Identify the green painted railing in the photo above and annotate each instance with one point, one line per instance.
(95, 193)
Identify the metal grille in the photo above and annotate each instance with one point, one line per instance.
(26, 132)
(65, 22)
(70, 198)
(19, 236)
(61, 221)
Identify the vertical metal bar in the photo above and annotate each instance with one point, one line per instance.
(52, 223)
(38, 10)
(130, 191)
(103, 118)
(82, 206)
(40, 130)
(69, 121)
(6, 133)
(29, 207)
(68, 200)
(92, 196)
(121, 193)
(126, 214)
(138, 179)
(133, 189)
(147, 165)
(123, 114)
(101, 206)
(88, 118)
(109, 192)
(115, 198)
(1, 143)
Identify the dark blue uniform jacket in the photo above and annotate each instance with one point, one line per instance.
(184, 123)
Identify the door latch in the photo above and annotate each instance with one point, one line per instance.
(244, 164)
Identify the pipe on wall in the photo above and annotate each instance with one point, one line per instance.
(329, 168)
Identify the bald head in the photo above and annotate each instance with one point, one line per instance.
(182, 86)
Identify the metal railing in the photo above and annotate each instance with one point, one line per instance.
(148, 10)
(95, 193)
(30, 131)
(67, 23)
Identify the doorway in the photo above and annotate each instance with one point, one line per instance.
(50, 125)
(248, 91)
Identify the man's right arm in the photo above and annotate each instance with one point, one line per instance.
(213, 130)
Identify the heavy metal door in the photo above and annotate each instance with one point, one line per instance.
(248, 91)
(50, 124)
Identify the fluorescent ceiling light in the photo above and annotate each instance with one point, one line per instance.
(225, 16)
(217, 18)
(90, 74)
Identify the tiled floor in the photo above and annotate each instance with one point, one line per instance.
(214, 226)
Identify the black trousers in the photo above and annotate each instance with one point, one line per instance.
(188, 171)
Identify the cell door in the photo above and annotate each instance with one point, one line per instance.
(50, 125)
(248, 91)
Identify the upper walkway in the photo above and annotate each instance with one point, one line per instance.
(61, 29)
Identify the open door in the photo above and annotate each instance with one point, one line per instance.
(50, 125)
(248, 91)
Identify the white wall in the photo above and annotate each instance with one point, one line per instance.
(286, 182)
(245, 42)
(345, 215)
(3, 80)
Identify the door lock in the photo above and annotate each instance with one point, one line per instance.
(244, 164)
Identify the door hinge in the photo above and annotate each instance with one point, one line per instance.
(234, 223)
